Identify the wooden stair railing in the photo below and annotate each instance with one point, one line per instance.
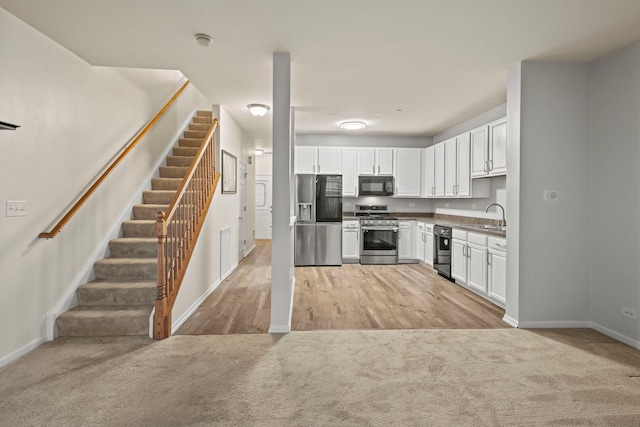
(74, 209)
(178, 229)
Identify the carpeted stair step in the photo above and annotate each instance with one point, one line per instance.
(203, 120)
(173, 171)
(92, 321)
(148, 211)
(117, 293)
(190, 142)
(165, 183)
(134, 247)
(179, 160)
(195, 134)
(204, 113)
(200, 126)
(185, 151)
(158, 197)
(138, 228)
(126, 269)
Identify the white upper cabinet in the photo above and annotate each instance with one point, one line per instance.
(408, 172)
(489, 149)
(329, 160)
(349, 172)
(450, 167)
(438, 170)
(306, 159)
(318, 160)
(457, 177)
(375, 161)
(480, 151)
(428, 172)
(463, 152)
(498, 147)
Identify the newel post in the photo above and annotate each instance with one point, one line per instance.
(161, 317)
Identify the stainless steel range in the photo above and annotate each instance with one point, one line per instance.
(379, 242)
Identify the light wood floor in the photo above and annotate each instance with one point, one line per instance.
(405, 296)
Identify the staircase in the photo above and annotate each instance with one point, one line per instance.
(120, 299)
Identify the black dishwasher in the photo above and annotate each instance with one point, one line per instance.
(442, 250)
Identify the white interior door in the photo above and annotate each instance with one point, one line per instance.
(263, 206)
(242, 210)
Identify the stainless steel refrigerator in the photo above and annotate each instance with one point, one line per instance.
(318, 235)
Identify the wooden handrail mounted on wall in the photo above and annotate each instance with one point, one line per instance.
(105, 174)
(178, 228)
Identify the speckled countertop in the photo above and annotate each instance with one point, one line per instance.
(460, 222)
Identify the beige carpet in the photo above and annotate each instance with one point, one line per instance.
(503, 377)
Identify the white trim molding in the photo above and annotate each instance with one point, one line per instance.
(22, 351)
(285, 329)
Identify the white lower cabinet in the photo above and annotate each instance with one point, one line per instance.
(428, 245)
(420, 245)
(406, 242)
(459, 256)
(350, 241)
(424, 243)
(497, 269)
(479, 263)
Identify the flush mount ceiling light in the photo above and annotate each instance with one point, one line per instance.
(203, 39)
(353, 125)
(258, 110)
(259, 152)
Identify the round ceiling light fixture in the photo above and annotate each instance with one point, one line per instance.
(203, 39)
(258, 110)
(353, 125)
(259, 152)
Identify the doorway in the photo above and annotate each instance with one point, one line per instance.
(263, 206)
(242, 210)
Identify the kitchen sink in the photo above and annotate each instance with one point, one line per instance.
(488, 227)
(494, 227)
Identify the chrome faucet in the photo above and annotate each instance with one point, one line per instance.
(502, 223)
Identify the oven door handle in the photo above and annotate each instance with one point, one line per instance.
(380, 228)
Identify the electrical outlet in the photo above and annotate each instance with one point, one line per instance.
(412, 205)
(446, 205)
(550, 195)
(474, 206)
(630, 313)
(16, 208)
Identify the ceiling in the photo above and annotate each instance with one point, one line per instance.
(405, 67)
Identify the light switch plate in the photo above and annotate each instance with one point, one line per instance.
(16, 208)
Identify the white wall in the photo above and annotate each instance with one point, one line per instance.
(614, 270)
(554, 155)
(74, 118)
(363, 140)
(204, 274)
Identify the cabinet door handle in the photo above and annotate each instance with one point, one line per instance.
(464, 254)
(490, 165)
(378, 168)
(486, 165)
(373, 169)
(318, 168)
(489, 259)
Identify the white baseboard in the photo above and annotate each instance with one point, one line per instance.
(557, 324)
(510, 321)
(615, 335)
(192, 309)
(22, 351)
(248, 251)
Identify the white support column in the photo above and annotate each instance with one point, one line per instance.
(282, 278)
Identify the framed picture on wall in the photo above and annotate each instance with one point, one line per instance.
(229, 173)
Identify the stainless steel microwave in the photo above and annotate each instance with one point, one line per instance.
(375, 185)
